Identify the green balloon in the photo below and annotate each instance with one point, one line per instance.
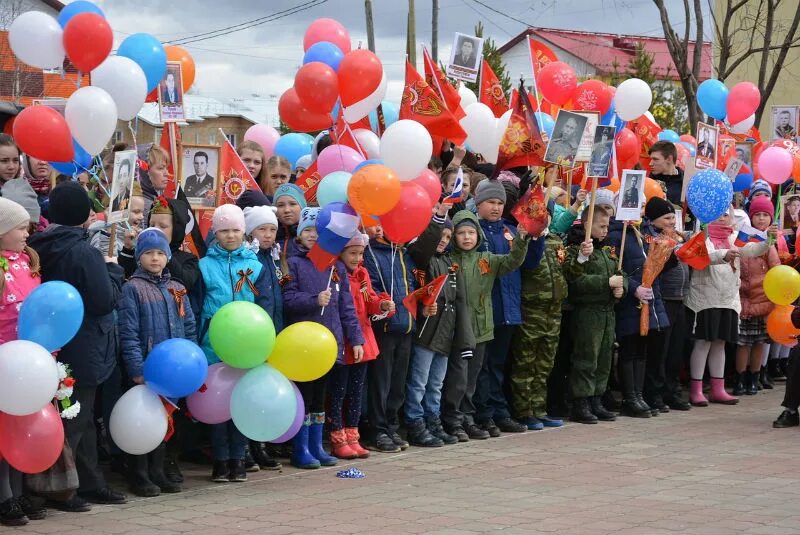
(242, 334)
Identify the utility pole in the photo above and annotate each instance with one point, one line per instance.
(435, 31)
(412, 34)
(370, 26)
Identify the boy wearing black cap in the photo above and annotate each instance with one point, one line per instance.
(66, 255)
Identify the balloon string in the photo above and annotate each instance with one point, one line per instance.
(137, 176)
(392, 249)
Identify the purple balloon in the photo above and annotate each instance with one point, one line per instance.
(298, 419)
(338, 158)
(212, 405)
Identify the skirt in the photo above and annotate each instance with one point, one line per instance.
(716, 324)
(753, 331)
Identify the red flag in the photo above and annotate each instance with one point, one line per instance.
(427, 295)
(522, 143)
(173, 148)
(438, 81)
(514, 98)
(491, 91)
(541, 55)
(421, 103)
(694, 252)
(321, 258)
(236, 178)
(647, 131)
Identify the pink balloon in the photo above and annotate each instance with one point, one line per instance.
(775, 165)
(431, 184)
(743, 101)
(328, 30)
(32, 443)
(338, 158)
(212, 404)
(264, 135)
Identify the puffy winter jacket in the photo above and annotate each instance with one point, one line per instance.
(751, 292)
(367, 304)
(274, 297)
(543, 281)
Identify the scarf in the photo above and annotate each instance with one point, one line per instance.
(720, 235)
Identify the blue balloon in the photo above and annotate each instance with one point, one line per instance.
(545, 123)
(391, 113)
(149, 54)
(51, 315)
(80, 163)
(175, 368)
(263, 404)
(743, 181)
(293, 146)
(712, 96)
(690, 147)
(336, 110)
(366, 163)
(709, 195)
(324, 52)
(333, 233)
(75, 8)
(333, 188)
(669, 135)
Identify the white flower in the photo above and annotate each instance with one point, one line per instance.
(62, 371)
(64, 393)
(19, 307)
(9, 277)
(72, 411)
(13, 257)
(12, 298)
(15, 266)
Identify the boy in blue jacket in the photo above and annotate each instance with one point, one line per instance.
(154, 308)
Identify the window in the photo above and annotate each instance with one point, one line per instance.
(117, 137)
(212, 138)
(231, 138)
(157, 136)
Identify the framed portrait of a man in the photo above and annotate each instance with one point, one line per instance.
(784, 122)
(744, 151)
(706, 156)
(199, 174)
(631, 197)
(790, 214)
(567, 135)
(170, 94)
(123, 176)
(465, 57)
(602, 151)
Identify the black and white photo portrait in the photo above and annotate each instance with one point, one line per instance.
(199, 173)
(631, 195)
(706, 157)
(744, 151)
(784, 122)
(121, 184)
(602, 151)
(567, 134)
(465, 57)
(170, 94)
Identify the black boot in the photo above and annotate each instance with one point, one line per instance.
(238, 472)
(775, 370)
(765, 380)
(155, 461)
(139, 477)
(630, 402)
(783, 366)
(434, 424)
(739, 389)
(419, 435)
(581, 412)
(220, 473)
(263, 459)
(639, 371)
(751, 383)
(597, 408)
(171, 468)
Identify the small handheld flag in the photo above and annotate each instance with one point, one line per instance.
(458, 188)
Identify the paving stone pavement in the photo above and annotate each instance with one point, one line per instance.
(716, 470)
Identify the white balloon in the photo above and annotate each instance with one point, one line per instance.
(124, 80)
(92, 118)
(406, 147)
(480, 125)
(28, 377)
(467, 97)
(369, 141)
(37, 39)
(744, 126)
(138, 421)
(632, 99)
(361, 109)
(500, 131)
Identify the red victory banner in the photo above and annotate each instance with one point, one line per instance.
(236, 178)
(491, 91)
(421, 103)
(438, 81)
(522, 143)
(541, 55)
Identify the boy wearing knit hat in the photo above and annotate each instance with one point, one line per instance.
(154, 308)
(66, 255)
(229, 272)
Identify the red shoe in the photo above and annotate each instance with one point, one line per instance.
(352, 440)
(340, 447)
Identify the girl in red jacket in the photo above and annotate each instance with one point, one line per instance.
(347, 379)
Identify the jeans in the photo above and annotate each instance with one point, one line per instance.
(227, 442)
(424, 384)
(490, 399)
(387, 381)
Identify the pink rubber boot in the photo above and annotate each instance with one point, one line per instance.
(718, 393)
(696, 396)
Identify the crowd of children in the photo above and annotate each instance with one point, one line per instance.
(520, 332)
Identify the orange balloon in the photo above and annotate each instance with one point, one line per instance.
(614, 186)
(653, 189)
(176, 53)
(373, 190)
(780, 327)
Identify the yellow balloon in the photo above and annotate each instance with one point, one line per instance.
(304, 351)
(782, 285)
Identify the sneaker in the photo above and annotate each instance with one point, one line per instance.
(105, 496)
(221, 473)
(532, 423)
(76, 504)
(490, 427)
(238, 472)
(250, 465)
(33, 507)
(547, 421)
(11, 514)
(476, 433)
(510, 425)
(397, 439)
(459, 433)
(384, 444)
(787, 419)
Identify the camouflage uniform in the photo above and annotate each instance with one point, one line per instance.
(536, 341)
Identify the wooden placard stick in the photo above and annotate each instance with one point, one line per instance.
(622, 247)
(112, 239)
(590, 220)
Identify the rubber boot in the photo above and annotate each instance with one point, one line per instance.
(301, 457)
(739, 389)
(139, 478)
(696, 396)
(751, 385)
(155, 461)
(315, 440)
(630, 402)
(340, 447)
(352, 436)
(718, 393)
(766, 380)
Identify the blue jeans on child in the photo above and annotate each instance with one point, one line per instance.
(227, 442)
(424, 384)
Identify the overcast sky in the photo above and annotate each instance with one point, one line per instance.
(262, 60)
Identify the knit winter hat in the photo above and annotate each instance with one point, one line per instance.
(448, 223)
(226, 217)
(149, 239)
(605, 197)
(252, 197)
(69, 204)
(12, 215)
(358, 239)
(657, 207)
(255, 216)
(466, 221)
(760, 186)
(489, 189)
(21, 192)
(292, 191)
(762, 204)
(308, 218)
(303, 161)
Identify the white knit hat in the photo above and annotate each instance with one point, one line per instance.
(255, 216)
(12, 215)
(226, 217)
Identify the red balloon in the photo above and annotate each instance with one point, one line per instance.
(317, 87)
(32, 443)
(688, 138)
(87, 40)
(592, 95)
(298, 117)
(628, 146)
(410, 216)
(556, 82)
(360, 74)
(431, 184)
(328, 30)
(743, 101)
(42, 132)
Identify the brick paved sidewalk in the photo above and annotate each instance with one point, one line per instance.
(719, 470)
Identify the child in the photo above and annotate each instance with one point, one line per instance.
(153, 309)
(447, 329)
(715, 304)
(448, 184)
(279, 170)
(173, 217)
(125, 234)
(306, 292)
(19, 191)
(252, 155)
(480, 270)
(348, 377)
(229, 272)
(19, 276)
(289, 201)
(40, 176)
(66, 255)
(755, 305)
(594, 286)
(9, 159)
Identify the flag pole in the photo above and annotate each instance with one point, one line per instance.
(590, 220)
(330, 278)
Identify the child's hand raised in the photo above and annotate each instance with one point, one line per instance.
(324, 298)
(731, 255)
(587, 248)
(522, 231)
(130, 237)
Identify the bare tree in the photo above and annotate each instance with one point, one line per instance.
(21, 78)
